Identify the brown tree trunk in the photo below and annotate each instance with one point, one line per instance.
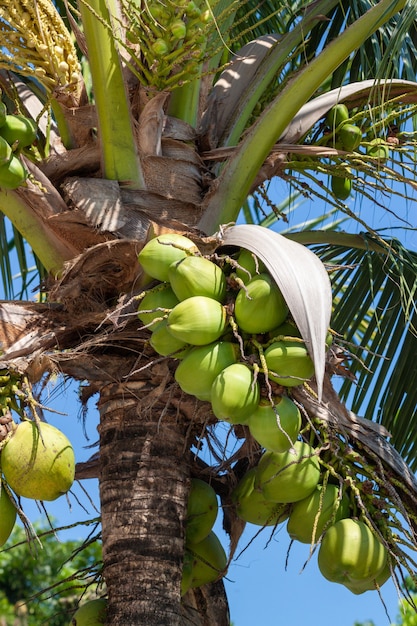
(143, 489)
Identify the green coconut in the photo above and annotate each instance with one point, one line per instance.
(38, 461)
(7, 516)
(248, 266)
(352, 555)
(289, 363)
(275, 427)
(92, 613)
(260, 306)
(350, 136)
(159, 253)
(197, 371)
(288, 476)
(207, 560)
(5, 152)
(341, 187)
(312, 515)
(199, 320)
(235, 394)
(338, 113)
(251, 505)
(197, 276)
(156, 304)
(202, 508)
(18, 128)
(378, 149)
(165, 344)
(12, 174)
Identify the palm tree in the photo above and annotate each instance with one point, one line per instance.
(174, 116)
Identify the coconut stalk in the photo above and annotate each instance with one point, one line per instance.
(51, 249)
(120, 159)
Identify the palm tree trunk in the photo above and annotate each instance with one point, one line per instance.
(143, 489)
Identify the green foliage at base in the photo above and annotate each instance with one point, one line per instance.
(43, 584)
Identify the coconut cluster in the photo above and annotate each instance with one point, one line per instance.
(225, 322)
(289, 487)
(176, 36)
(16, 133)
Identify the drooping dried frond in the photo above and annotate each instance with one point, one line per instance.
(36, 43)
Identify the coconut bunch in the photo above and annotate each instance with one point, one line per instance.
(10, 386)
(291, 487)
(226, 322)
(17, 132)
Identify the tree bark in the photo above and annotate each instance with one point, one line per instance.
(144, 486)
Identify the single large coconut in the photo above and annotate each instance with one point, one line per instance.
(166, 344)
(276, 427)
(204, 562)
(311, 516)
(159, 253)
(260, 306)
(352, 555)
(156, 305)
(289, 363)
(38, 462)
(251, 505)
(197, 320)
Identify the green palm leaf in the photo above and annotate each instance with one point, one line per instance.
(375, 313)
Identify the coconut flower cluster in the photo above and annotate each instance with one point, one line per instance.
(172, 38)
(225, 322)
(36, 42)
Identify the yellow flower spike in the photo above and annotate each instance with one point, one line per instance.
(34, 34)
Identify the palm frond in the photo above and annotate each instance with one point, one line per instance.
(376, 315)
